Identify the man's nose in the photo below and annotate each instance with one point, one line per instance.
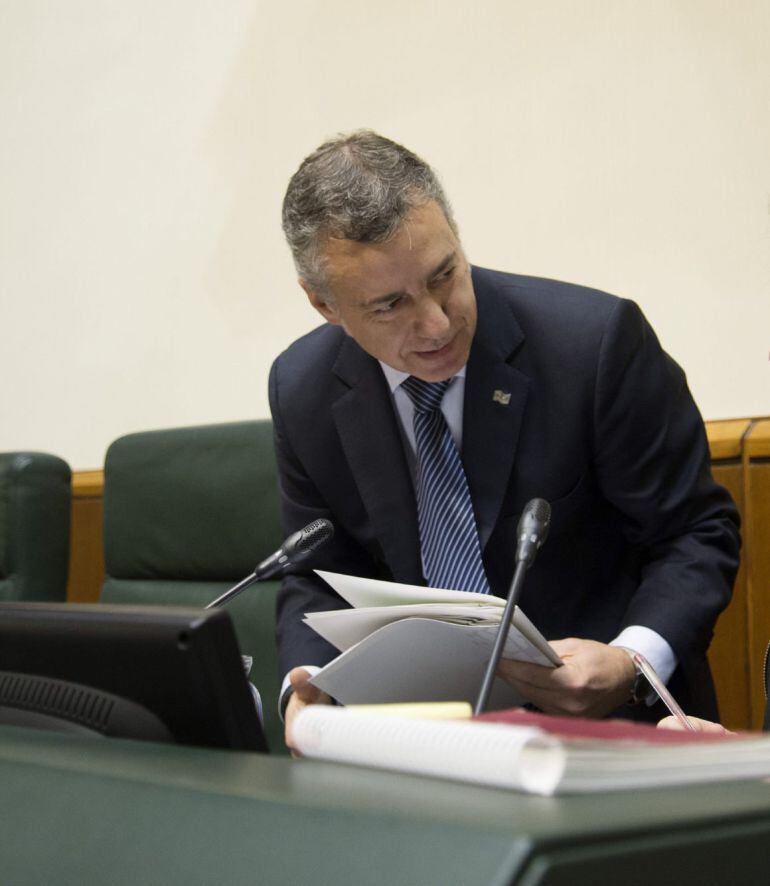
(432, 320)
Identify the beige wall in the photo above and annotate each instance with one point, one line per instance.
(145, 147)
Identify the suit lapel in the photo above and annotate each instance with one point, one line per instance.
(367, 425)
(495, 397)
(368, 429)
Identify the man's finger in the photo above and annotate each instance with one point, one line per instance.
(302, 687)
(700, 725)
(303, 694)
(594, 679)
(528, 674)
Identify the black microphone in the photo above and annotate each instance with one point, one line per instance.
(532, 530)
(294, 549)
(531, 533)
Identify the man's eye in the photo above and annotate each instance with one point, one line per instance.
(389, 307)
(442, 277)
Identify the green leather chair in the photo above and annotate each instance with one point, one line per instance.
(188, 512)
(35, 495)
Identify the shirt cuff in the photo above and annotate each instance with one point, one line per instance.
(285, 694)
(653, 647)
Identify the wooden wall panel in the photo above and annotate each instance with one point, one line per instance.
(757, 555)
(86, 572)
(728, 654)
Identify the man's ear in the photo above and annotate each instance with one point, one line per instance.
(326, 309)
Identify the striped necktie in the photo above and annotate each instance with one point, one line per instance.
(449, 540)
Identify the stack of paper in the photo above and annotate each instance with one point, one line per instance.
(405, 643)
(536, 754)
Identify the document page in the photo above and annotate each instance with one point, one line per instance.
(419, 659)
(376, 603)
(406, 643)
(344, 628)
(361, 592)
(519, 758)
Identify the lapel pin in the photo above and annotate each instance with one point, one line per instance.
(502, 397)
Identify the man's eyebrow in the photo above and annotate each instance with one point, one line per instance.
(378, 300)
(388, 297)
(443, 265)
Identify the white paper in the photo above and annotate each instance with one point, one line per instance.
(344, 628)
(515, 757)
(362, 592)
(419, 659)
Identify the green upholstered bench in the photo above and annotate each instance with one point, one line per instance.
(34, 526)
(188, 512)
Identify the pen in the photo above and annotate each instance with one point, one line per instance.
(644, 667)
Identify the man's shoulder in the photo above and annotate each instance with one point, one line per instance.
(549, 313)
(314, 372)
(543, 293)
(315, 352)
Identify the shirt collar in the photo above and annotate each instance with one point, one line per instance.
(395, 377)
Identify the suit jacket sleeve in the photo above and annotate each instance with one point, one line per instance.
(652, 464)
(301, 590)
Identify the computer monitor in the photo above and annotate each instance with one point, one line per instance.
(157, 673)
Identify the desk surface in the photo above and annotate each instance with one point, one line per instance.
(89, 811)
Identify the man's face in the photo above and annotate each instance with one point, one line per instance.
(409, 301)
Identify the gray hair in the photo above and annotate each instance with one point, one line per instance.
(357, 186)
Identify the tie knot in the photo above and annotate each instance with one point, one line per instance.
(425, 395)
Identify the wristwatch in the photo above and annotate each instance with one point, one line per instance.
(640, 688)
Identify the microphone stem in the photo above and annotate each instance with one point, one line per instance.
(234, 591)
(502, 635)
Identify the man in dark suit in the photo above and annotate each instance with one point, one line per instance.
(554, 391)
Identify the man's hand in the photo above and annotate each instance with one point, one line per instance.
(700, 725)
(303, 695)
(594, 679)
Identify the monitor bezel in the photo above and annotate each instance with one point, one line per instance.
(181, 665)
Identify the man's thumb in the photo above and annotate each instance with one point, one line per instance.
(304, 689)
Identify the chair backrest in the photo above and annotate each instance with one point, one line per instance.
(188, 512)
(35, 495)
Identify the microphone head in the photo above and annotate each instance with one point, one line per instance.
(539, 511)
(296, 547)
(304, 541)
(532, 530)
(313, 536)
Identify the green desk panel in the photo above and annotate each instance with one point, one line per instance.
(90, 811)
